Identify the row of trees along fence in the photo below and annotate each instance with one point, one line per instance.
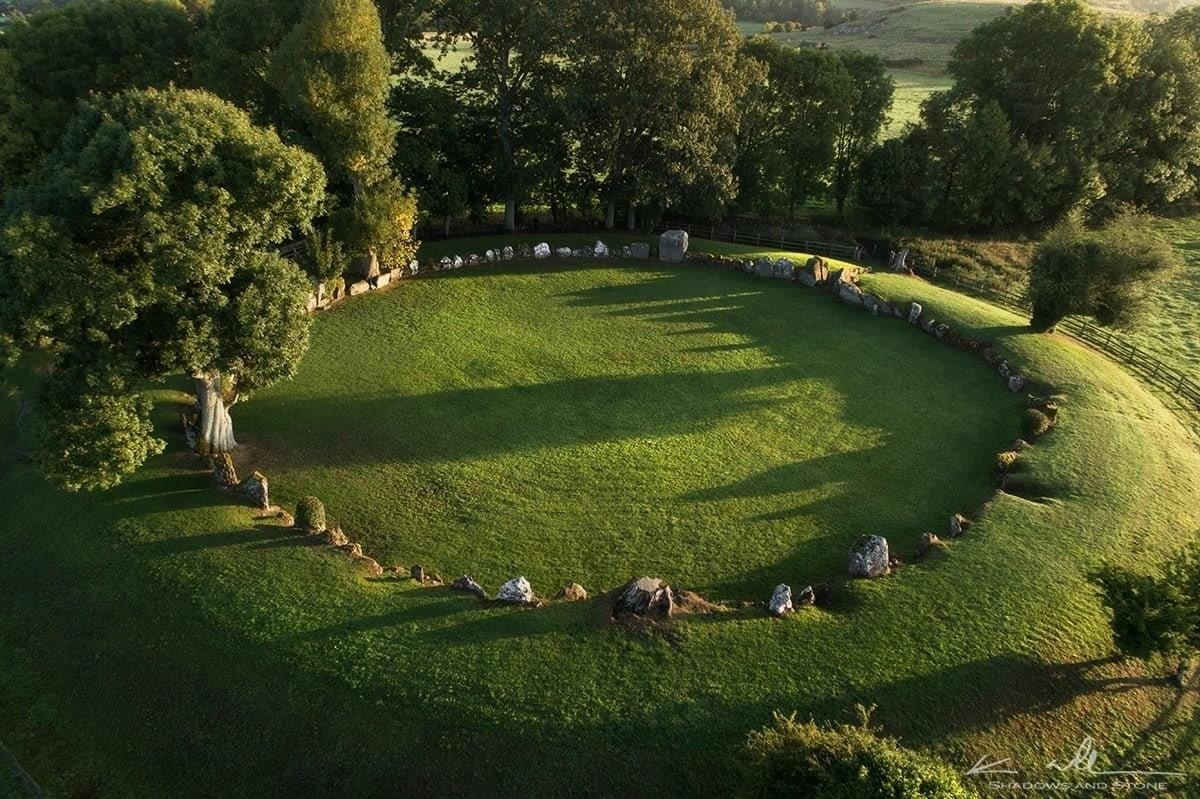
(1107, 340)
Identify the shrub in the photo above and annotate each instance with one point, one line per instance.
(1150, 615)
(310, 514)
(787, 758)
(1034, 424)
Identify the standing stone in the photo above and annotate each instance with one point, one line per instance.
(517, 591)
(928, 542)
(807, 596)
(784, 269)
(869, 557)
(507, 253)
(959, 524)
(600, 250)
(1004, 369)
(367, 266)
(564, 252)
(465, 583)
(763, 267)
(914, 313)
(673, 246)
(474, 259)
(445, 263)
(541, 250)
(359, 287)
(383, 279)
(414, 266)
(626, 251)
(899, 261)
(572, 592)
(457, 263)
(1016, 383)
(781, 600)
(639, 250)
(255, 489)
(491, 256)
(417, 572)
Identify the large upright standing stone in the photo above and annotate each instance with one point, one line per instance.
(673, 246)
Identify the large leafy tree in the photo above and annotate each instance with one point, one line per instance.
(332, 73)
(786, 137)
(144, 249)
(1156, 161)
(51, 60)
(862, 102)
(517, 49)
(659, 85)
(1056, 70)
(1104, 273)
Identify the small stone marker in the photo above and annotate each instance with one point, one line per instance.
(639, 250)
(541, 250)
(781, 600)
(465, 583)
(600, 250)
(572, 592)
(516, 591)
(417, 572)
(914, 313)
(255, 488)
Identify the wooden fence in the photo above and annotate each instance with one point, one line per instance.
(1155, 371)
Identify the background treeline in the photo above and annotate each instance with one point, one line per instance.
(626, 111)
(1053, 109)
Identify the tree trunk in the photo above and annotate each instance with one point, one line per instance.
(610, 214)
(215, 440)
(510, 214)
(631, 219)
(446, 226)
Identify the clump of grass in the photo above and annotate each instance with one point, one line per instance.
(1035, 423)
(310, 514)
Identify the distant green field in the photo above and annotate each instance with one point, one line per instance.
(591, 421)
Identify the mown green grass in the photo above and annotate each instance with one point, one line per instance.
(158, 641)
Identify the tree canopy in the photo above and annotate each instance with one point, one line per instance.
(143, 250)
(51, 60)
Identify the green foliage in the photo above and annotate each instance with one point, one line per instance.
(1102, 273)
(786, 137)
(381, 220)
(332, 74)
(790, 758)
(1151, 615)
(310, 514)
(141, 251)
(96, 429)
(323, 257)
(234, 52)
(1035, 424)
(54, 59)
(686, 145)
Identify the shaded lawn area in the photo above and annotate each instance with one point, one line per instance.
(156, 640)
(573, 422)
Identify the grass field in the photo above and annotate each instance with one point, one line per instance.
(591, 422)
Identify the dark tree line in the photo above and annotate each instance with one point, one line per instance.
(1054, 109)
